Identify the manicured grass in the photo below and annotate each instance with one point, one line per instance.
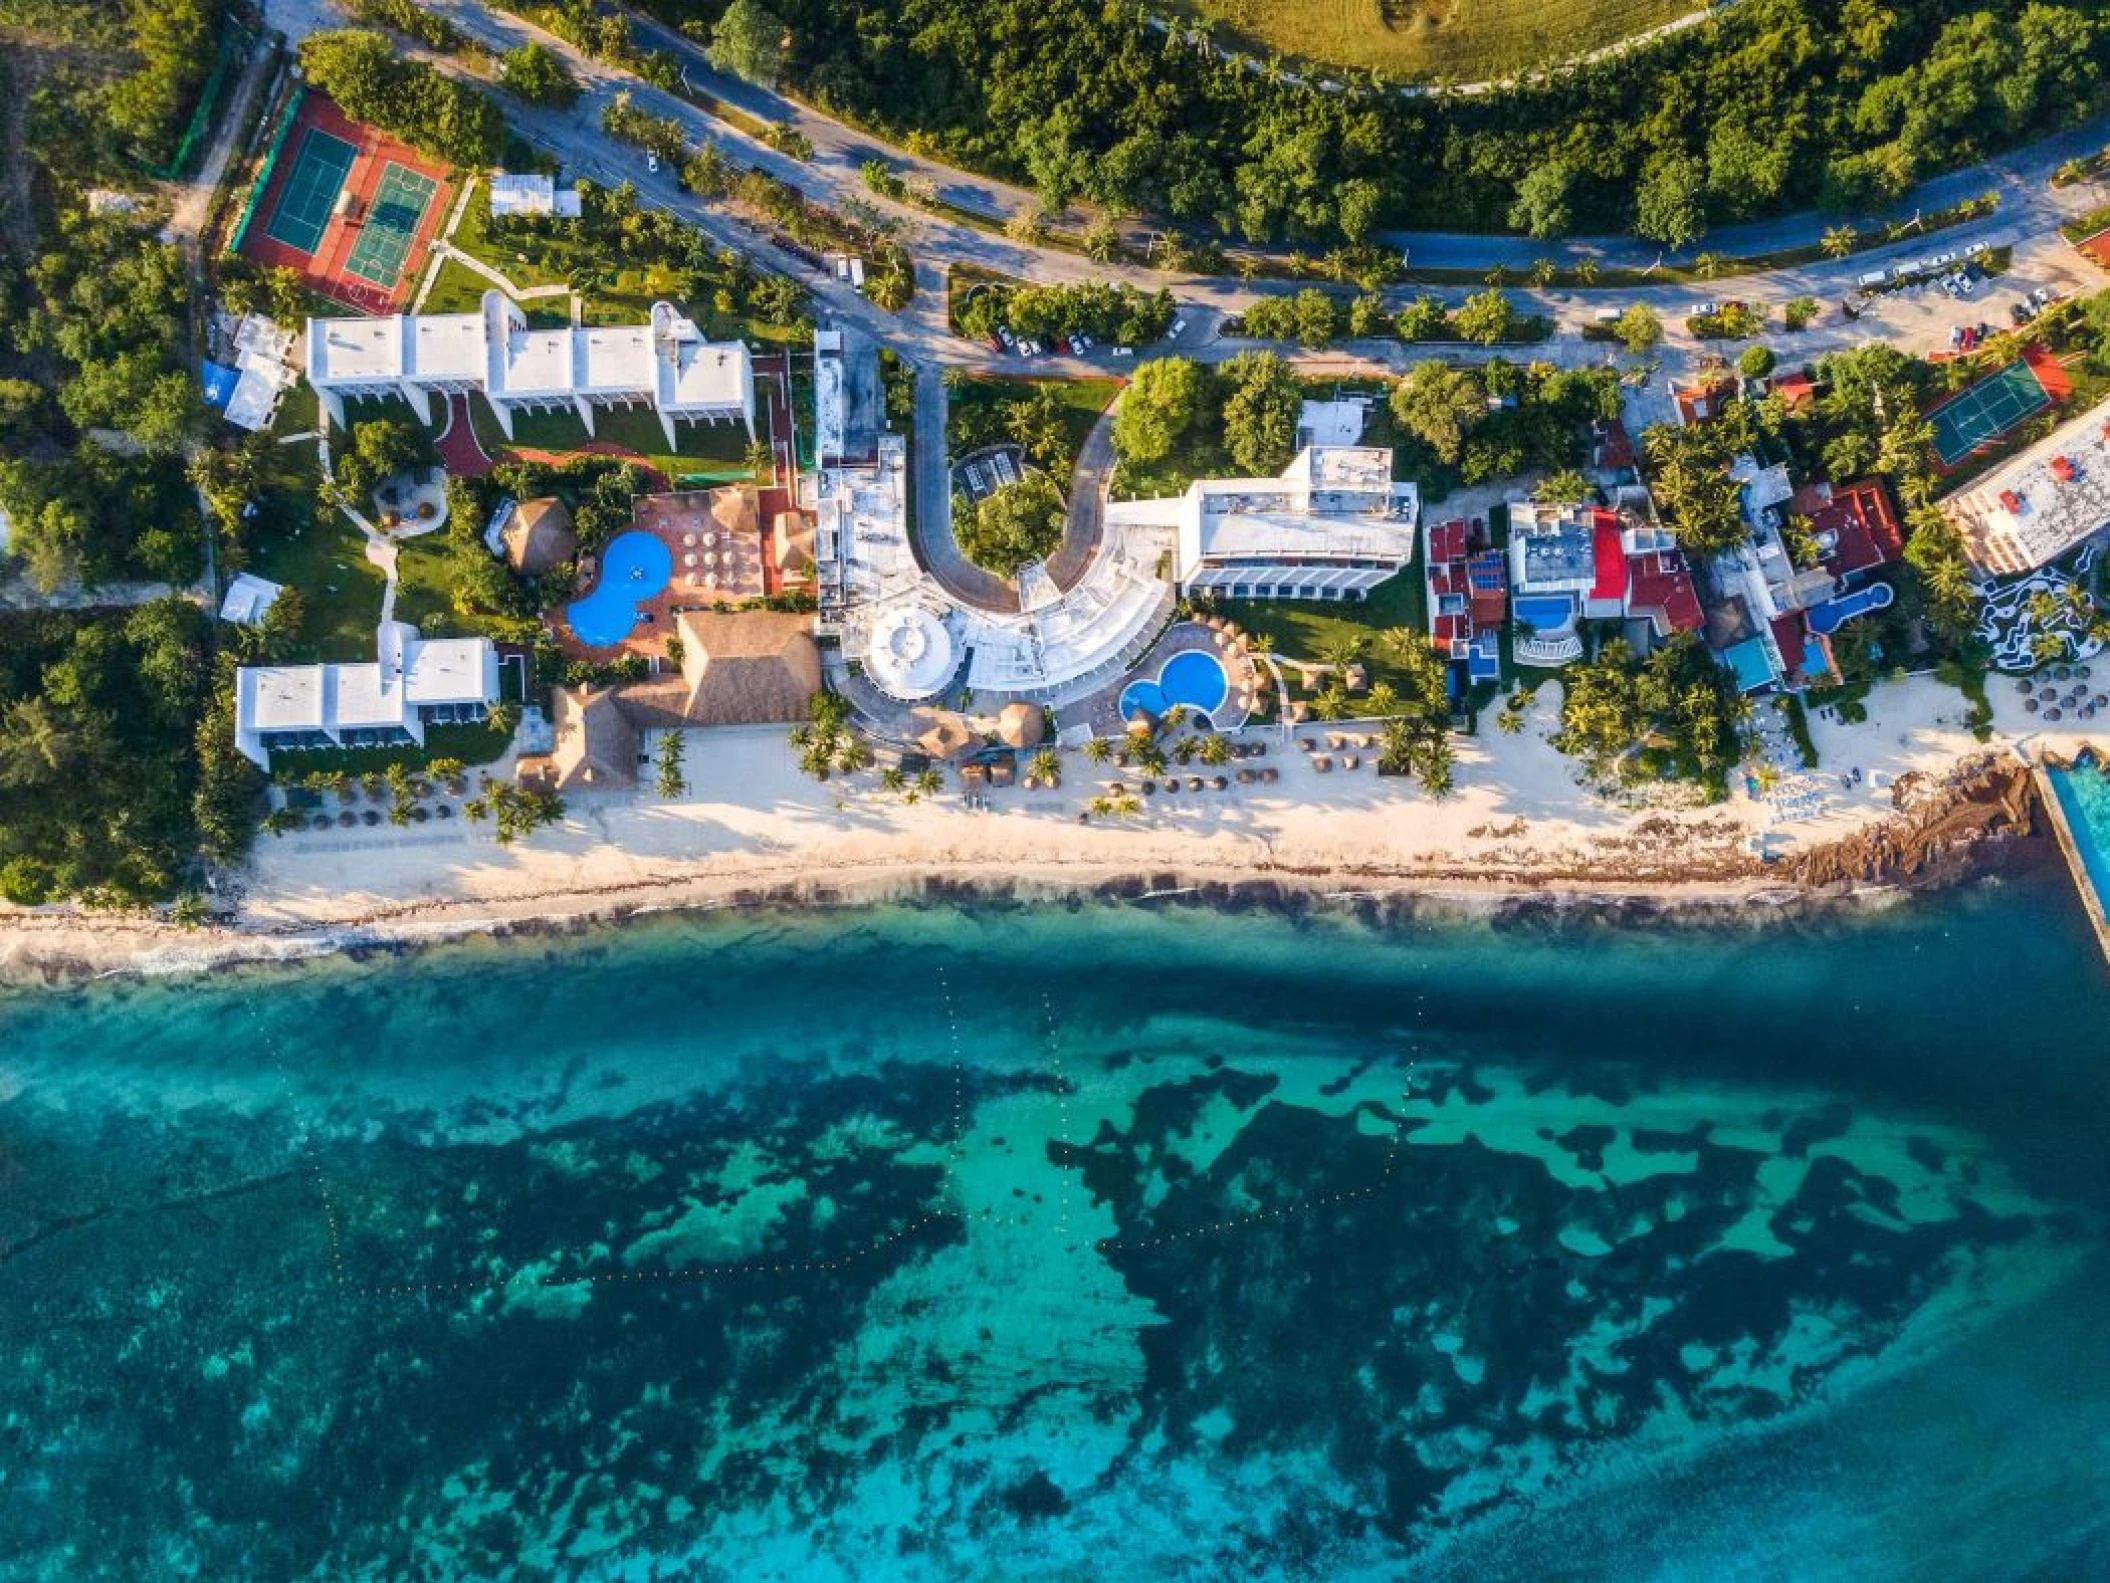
(612, 295)
(1465, 41)
(717, 449)
(1301, 627)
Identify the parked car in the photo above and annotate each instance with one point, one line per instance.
(1179, 328)
(1124, 351)
(1703, 310)
(1003, 333)
(1080, 343)
(1062, 345)
(652, 163)
(1955, 337)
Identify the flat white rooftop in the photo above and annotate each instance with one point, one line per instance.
(347, 351)
(284, 697)
(448, 345)
(618, 358)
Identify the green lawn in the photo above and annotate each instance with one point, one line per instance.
(459, 289)
(1083, 400)
(717, 449)
(1300, 627)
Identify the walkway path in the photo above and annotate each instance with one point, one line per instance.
(461, 452)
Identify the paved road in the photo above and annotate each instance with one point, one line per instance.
(2027, 222)
(1087, 515)
(937, 550)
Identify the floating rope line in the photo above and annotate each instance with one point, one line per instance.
(304, 1142)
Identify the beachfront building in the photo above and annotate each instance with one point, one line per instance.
(665, 365)
(1468, 597)
(907, 635)
(1332, 526)
(413, 682)
(1566, 566)
(738, 668)
(2043, 503)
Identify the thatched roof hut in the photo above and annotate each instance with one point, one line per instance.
(1021, 725)
(791, 539)
(945, 733)
(749, 667)
(538, 536)
(593, 748)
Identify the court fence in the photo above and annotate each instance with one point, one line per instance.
(264, 171)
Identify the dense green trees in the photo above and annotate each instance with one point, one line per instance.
(1669, 716)
(1165, 404)
(1011, 527)
(1121, 314)
(748, 42)
(1688, 471)
(373, 81)
(1262, 399)
(1770, 104)
(102, 782)
(1438, 405)
(537, 73)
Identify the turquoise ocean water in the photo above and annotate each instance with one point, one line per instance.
(1074, 1242)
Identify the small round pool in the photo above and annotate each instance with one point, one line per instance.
(1193, 680)
(634, 567)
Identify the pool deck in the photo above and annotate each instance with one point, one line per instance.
(736, 562)
(1102, 709)
(2041, 768)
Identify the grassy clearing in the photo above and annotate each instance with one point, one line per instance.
(1453, 40)
(1301, 628)
(1081, 401)
(719, 449)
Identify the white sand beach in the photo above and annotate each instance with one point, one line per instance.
(1516, 822)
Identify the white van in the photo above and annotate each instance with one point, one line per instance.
(857, 273)
(1875, 277)
(1606, 316)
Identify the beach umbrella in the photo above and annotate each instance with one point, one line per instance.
(2053, 714)
(689, 559)
(689, 539)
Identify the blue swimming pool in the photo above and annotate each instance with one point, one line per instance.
(2084, 797)
(1545, 614)
(634, 567)
(1194, 681)
(1829, 617)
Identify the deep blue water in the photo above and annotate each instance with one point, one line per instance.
(1073, 1242)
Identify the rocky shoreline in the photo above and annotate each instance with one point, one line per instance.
(1945, 831)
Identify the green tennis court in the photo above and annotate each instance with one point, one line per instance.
(311, 189)
(392, 221)
(1986, 411)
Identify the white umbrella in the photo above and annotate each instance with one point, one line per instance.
(689, 559)
(710, 579)
(688, 538)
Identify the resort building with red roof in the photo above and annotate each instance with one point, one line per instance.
(1468, 593)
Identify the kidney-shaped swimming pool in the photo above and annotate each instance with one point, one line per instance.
(634, 567)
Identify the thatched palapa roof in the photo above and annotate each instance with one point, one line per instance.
(538, 536)
(750, 667)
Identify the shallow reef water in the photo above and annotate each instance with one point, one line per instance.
(1003, 1241)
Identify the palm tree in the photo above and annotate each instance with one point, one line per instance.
(1099, 807)
(1099, 749)
(1402, 644)
(1047, 767)
(1542, 272)
(893, 779)
(1509, 722)
(1838, 241)
(1340, 648)
(1708, 265)
(1215, 750)
(1586, 271)
(930, 782)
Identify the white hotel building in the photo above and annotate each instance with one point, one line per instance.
(1333, 526)
(388, 702)
(666, 365)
